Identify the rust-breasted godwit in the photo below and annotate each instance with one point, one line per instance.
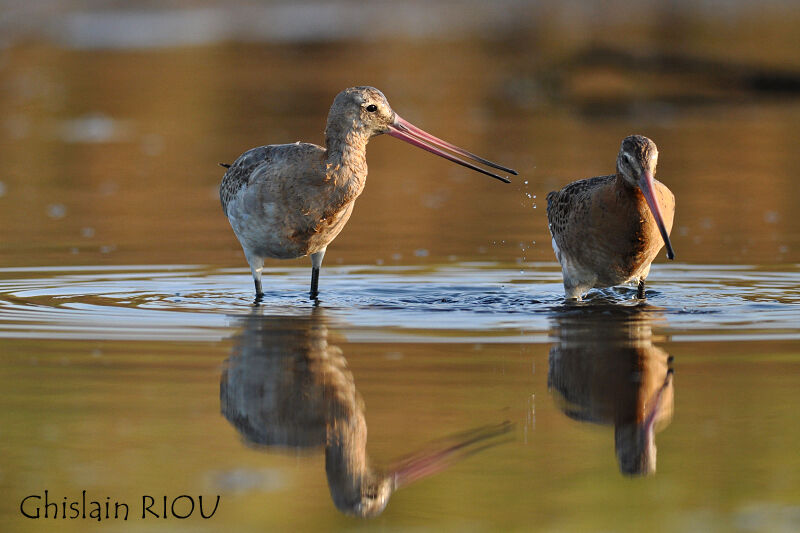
(605, 369)
(291, 200)
(607, 230)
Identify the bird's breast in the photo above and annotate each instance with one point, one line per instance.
(283, 230)
(608, 229)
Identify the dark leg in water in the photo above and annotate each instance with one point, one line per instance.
(314, 283)
(640, 290)
(259, 292)
(316, 263)
(256, 266)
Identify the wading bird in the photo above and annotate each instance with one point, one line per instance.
(605, 369)
(286, 388)
(291, 200)
(607, 230)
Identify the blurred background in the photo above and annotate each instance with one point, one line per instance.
(114, 116)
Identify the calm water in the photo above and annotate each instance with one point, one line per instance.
(134, 364)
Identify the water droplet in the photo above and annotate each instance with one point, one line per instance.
(87, 232)
(421, 252)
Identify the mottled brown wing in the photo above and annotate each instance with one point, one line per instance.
(570, 201)
(239, 173)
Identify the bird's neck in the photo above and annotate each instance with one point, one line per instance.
(346, 463)
(346, 162)
(626, 190)
(622, 183)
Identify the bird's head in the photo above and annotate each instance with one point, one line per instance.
(375, 496)
(636, 163)
(365, 111)
(637, 155)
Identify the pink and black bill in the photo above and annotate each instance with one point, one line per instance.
(404, 130)
(648, 189)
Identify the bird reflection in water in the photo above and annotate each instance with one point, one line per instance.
(285, 387)
(605, 369)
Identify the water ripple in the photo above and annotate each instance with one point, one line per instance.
(470, 302)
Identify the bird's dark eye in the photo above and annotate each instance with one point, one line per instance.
(372, 108)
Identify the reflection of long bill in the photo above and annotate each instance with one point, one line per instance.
(404, 130)
(448, 452)
(648, 189)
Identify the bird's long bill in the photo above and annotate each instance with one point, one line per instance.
(648, 189)
(648, 424)
(404, 130)
(456, 448)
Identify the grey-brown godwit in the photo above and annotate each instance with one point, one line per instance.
(291, 200)
(607, 230)
(285, 387)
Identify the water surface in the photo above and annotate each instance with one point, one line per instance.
(113, 376)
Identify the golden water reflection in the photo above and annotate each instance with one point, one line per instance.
(285, 387)
(605, 369)
(111, 157)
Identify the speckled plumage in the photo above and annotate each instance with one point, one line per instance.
(604, 233)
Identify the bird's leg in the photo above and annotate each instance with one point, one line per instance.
(259, 292)
(256, 266)
(640, 290)
(316, 263)
(314, 283)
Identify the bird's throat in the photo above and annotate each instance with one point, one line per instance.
(346, 166)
